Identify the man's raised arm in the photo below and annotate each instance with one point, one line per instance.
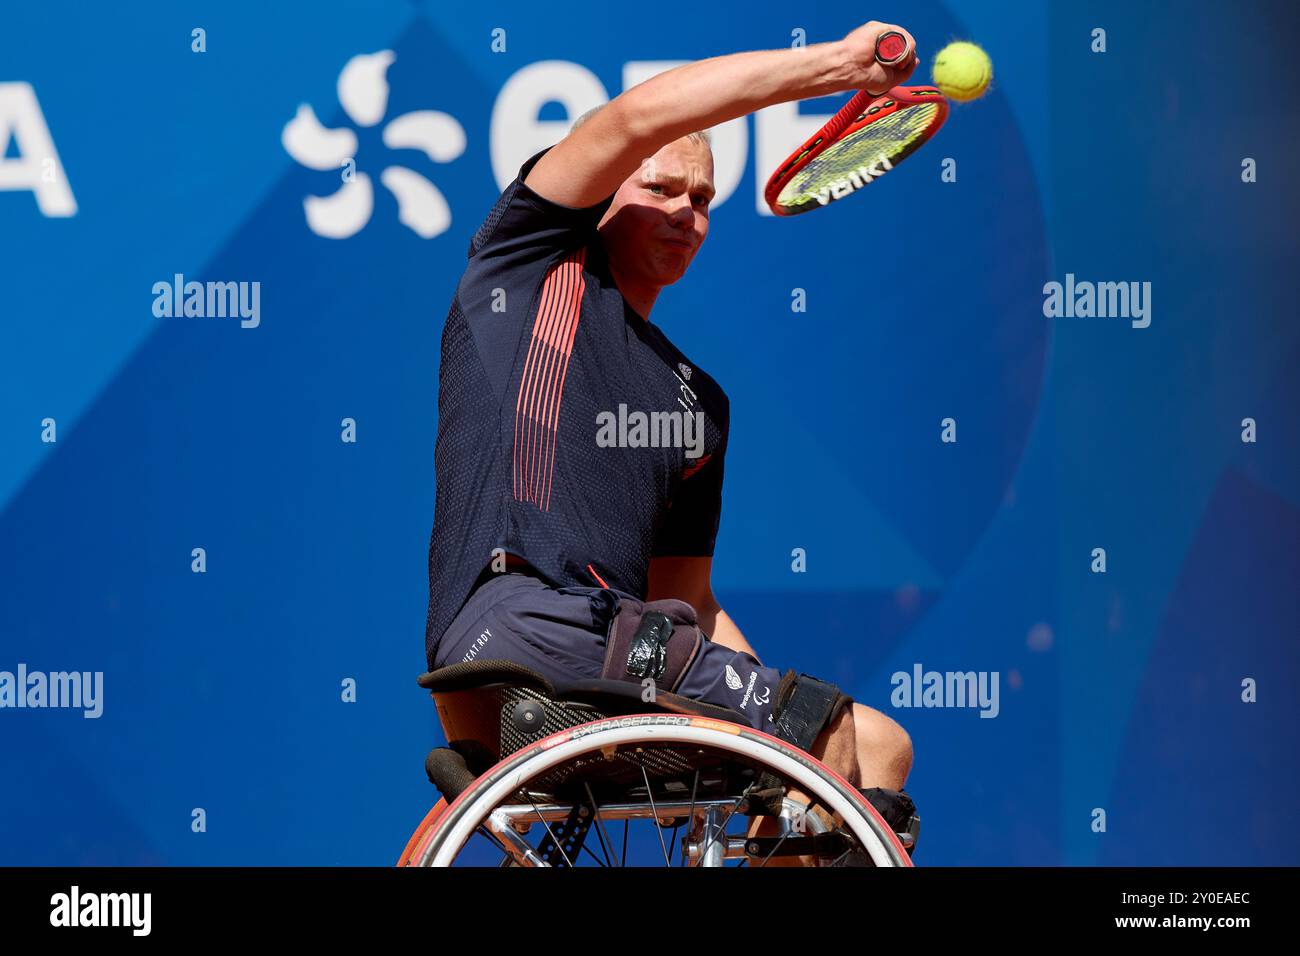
(594, 159)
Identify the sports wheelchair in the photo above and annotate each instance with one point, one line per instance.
(533, 770)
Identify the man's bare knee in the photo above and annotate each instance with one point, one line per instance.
(884, 748)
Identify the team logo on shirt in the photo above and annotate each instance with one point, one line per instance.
(685, 370)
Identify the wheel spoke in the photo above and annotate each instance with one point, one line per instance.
(587, 850)
(559, 846)
(600, 824)
(658, 829)
(836, 861)
(787, 829)
(776, 847)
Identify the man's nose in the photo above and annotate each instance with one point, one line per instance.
(680, 212)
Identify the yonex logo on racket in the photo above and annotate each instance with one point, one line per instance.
(855, 181)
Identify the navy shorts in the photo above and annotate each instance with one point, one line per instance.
(560, 634)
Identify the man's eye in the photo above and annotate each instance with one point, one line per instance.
(655, 188)
(701, 200)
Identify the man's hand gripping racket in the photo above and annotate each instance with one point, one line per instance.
(870, 135)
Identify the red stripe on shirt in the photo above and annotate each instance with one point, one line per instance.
(541, 386)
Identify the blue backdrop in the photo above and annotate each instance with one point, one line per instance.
(1120, 691)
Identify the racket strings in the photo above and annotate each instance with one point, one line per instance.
(889, 138)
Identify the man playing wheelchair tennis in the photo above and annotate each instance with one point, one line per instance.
(549, 547)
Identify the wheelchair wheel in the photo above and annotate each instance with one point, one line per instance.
(690, 786)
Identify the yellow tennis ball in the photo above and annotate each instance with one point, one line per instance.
(962, 71)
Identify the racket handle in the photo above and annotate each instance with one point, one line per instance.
(891, 48)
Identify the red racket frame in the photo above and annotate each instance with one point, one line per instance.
(853, 116)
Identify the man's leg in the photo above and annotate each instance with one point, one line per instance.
(871, 747)
(866, 748)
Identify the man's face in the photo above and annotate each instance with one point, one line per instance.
(660, 215)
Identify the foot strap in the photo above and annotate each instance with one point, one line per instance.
(899, 812)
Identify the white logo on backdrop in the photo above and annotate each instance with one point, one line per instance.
(36, 167)
(363, 94)
(516, 131)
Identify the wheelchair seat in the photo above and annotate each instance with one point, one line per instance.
(490, 709)
(612, 697)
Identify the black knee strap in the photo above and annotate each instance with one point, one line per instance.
(804, 707)
(657, 640)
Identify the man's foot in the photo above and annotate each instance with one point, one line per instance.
(899, 812)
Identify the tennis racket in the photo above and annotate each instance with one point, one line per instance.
(870, 135)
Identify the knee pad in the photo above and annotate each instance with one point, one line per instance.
(804, 707)
(658, 640)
